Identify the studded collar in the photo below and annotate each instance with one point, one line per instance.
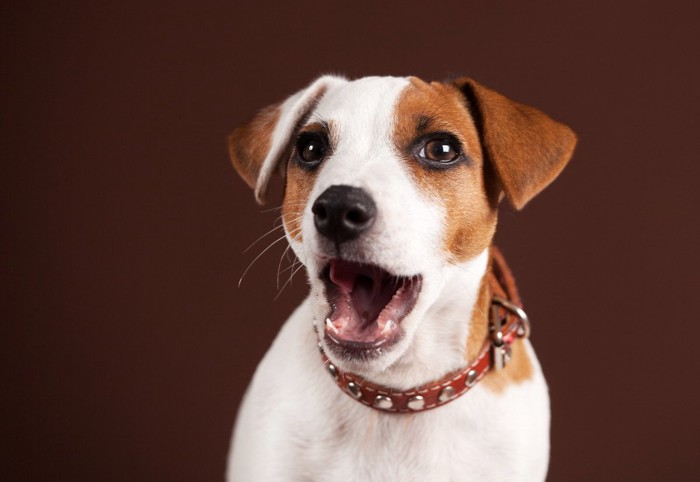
(507, 322)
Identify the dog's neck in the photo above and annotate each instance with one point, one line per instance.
(452, 330)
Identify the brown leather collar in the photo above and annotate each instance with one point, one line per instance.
(508, 322)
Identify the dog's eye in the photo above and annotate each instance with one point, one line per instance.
(439, 150)
(311, 148)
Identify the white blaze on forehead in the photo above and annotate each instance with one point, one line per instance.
(290, 113)
(362, 115)
(363, 110)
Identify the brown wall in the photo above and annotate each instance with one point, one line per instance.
(126, 344)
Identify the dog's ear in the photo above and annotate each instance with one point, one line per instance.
(257, 147)
(526, 148)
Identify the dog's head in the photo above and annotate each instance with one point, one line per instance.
(390, 182)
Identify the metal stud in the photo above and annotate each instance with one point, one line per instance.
(383, 402)
(332, 370)
(446, 394)
(471, 378)
(354, 390)
(416, 403)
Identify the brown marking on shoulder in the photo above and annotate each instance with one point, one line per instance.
(470, 210)
(518, 369)
(300, 181)
(479, 326)
(249, 144)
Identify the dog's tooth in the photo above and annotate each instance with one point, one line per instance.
(331, 326)
(388, 326)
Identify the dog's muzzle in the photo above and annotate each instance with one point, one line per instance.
(366, 302)
(343, 213)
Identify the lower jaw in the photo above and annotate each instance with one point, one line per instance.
(351, 289)
(361, 351)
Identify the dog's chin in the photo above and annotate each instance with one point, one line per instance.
(366, 307)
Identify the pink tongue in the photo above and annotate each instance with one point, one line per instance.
(362, 286)
(343, 275)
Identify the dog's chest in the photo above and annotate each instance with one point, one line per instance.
(429, 446)
(296, 424)
(481, 436)
(480, 439)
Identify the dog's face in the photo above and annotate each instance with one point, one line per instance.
(390, 183)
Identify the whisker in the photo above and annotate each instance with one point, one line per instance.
(282, 206)
(292, 266)
(294, 260)
(258, 257)
(272, 209)
(279, 226)
(296, 216)
(279, 265)
(289, 280)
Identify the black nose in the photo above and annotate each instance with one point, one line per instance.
(343, 213)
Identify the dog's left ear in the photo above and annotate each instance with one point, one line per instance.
(526, 148)
(257, 147)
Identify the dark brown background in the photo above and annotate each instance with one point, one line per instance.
(126, 344)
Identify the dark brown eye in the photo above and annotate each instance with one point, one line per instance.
(439, 150)
(311, 149)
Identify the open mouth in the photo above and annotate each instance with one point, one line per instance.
(367, 306)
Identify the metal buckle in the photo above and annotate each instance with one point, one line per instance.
(500, 356)
(524, 327)
(500, 351)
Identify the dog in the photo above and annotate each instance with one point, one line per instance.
(409, 359)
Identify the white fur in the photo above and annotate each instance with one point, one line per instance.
(296, 424)
(290, 111)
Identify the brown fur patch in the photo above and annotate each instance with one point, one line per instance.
(470, 213)
(249, 144)
(518, 369)
(298, 186)
(300, 182)
(479, 327)
(470, 191)
(526, 148)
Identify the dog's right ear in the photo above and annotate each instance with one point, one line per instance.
(257, 147)
(526, 147)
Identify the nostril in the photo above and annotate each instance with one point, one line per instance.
(357, 216)
(343, 213)
(319, 210)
